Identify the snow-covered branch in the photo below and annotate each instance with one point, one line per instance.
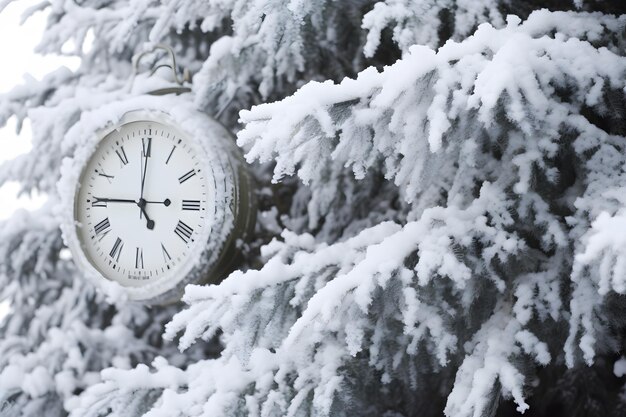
(433, 105)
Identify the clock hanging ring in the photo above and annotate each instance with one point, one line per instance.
(156, 195)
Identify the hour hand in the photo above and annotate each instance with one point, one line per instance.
(142, 207)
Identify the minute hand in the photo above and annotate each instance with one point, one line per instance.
(146, 149)
(145, 154)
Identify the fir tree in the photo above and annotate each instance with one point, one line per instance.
(442, 214)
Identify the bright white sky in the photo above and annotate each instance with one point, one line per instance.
(17, 43)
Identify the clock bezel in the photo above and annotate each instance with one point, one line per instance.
(215, 145)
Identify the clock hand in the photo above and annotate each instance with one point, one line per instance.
(165, 202)
(141, 177)
(114, 200)
(142, 206)
(141, 203)
(145, 153)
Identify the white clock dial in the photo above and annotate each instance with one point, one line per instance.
(143, 202)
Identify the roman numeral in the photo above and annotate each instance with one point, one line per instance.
(166, 255)
(117, 249)
(146, 147)
(98, 203)
(103, 227)
(191, 205)
(122, 154)
(139, 258)
(186, 176)
(170, 155)
(104, 174)
(183, 231)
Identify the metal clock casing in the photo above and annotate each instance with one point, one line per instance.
(229, 204)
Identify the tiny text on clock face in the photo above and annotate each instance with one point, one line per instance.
(142, 203)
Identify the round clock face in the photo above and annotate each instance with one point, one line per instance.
(142, 203)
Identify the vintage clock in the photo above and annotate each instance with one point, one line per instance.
(155, 197)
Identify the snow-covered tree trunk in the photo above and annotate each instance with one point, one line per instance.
(442, 214)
